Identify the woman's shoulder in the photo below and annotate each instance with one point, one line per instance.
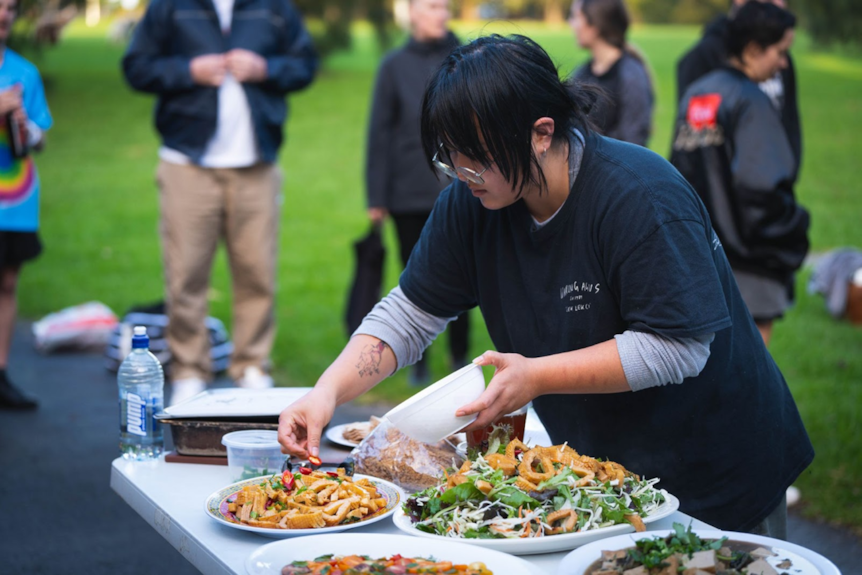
(19, 62)
(626, 161)
(737, 91)
(630, 62)
(724, 80)
(632, 69)
(636, 173)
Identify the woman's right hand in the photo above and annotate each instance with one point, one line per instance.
(301, 424)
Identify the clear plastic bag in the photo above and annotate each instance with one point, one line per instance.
(412, 465)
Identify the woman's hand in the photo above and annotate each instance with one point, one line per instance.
(10, 100)
(301, 424)
(512, 387)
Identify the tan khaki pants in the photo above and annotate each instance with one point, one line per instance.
(198, 208)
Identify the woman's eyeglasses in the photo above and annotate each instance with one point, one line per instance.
(471, 176)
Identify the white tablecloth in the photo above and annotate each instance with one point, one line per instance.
(171, 497)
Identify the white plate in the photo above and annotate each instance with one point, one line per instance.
(577, 562)
(233, 401)
(216, 508)
(269, 559)
(548, 544)
(335, 434)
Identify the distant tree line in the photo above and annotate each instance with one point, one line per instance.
(831, 21)
(827, 21)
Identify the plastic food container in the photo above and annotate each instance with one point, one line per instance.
(429, 416)
(517, 422)
(252, 453)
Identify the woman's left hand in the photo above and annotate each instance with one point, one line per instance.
(512, 387)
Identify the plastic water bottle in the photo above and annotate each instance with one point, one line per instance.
(141, 382)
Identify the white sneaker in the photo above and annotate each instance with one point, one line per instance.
(254, 378)
(793, 496)
(183, 389)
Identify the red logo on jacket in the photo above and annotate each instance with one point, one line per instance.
(703, 111)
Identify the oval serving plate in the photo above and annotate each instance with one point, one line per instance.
(335, 434)
(216, 508)
(270, 558)
(548, 544)
(804, 561)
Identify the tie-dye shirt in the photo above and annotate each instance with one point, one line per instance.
(19, 181)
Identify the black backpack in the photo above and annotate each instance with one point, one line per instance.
(153, 317)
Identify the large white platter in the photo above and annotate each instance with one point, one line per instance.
(234, 401)
(805, 561)
(548, 544)
(216, 508)
(269, 559)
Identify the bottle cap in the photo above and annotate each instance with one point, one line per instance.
(140, 338)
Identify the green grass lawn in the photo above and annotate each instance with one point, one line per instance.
(99, 220)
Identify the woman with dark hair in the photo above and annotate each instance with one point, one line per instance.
(730, 144)
(602, 285)
(625, 110)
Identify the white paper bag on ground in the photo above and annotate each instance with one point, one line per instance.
(86, 326)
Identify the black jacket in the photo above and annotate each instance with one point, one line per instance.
(397, 176)
(173, 32)
(730, 145)
(710, 54)
(625, 111)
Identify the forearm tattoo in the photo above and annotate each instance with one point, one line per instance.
(370, 359)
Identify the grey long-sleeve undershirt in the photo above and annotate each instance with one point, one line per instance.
(648, 360)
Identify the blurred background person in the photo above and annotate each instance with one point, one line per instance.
(625, 113)
(398, 181)
(731, 146)
(23, 109)
(220, 114)
(710, 53)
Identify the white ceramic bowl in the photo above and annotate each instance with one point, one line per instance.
(429, 416)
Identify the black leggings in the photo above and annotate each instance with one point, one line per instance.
(409, 228)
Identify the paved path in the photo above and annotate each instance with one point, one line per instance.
(61, 516)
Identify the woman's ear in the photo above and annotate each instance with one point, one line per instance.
(751, 52)
(543, 134)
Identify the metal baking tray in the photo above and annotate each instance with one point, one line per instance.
(202, 437)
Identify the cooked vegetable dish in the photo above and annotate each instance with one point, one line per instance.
(685, 552)
(306, 500)
(395, 565)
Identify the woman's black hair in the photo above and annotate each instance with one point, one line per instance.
(610, 18)
(763, 23)
(498, 87)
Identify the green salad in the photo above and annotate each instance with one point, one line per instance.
(522, 492)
